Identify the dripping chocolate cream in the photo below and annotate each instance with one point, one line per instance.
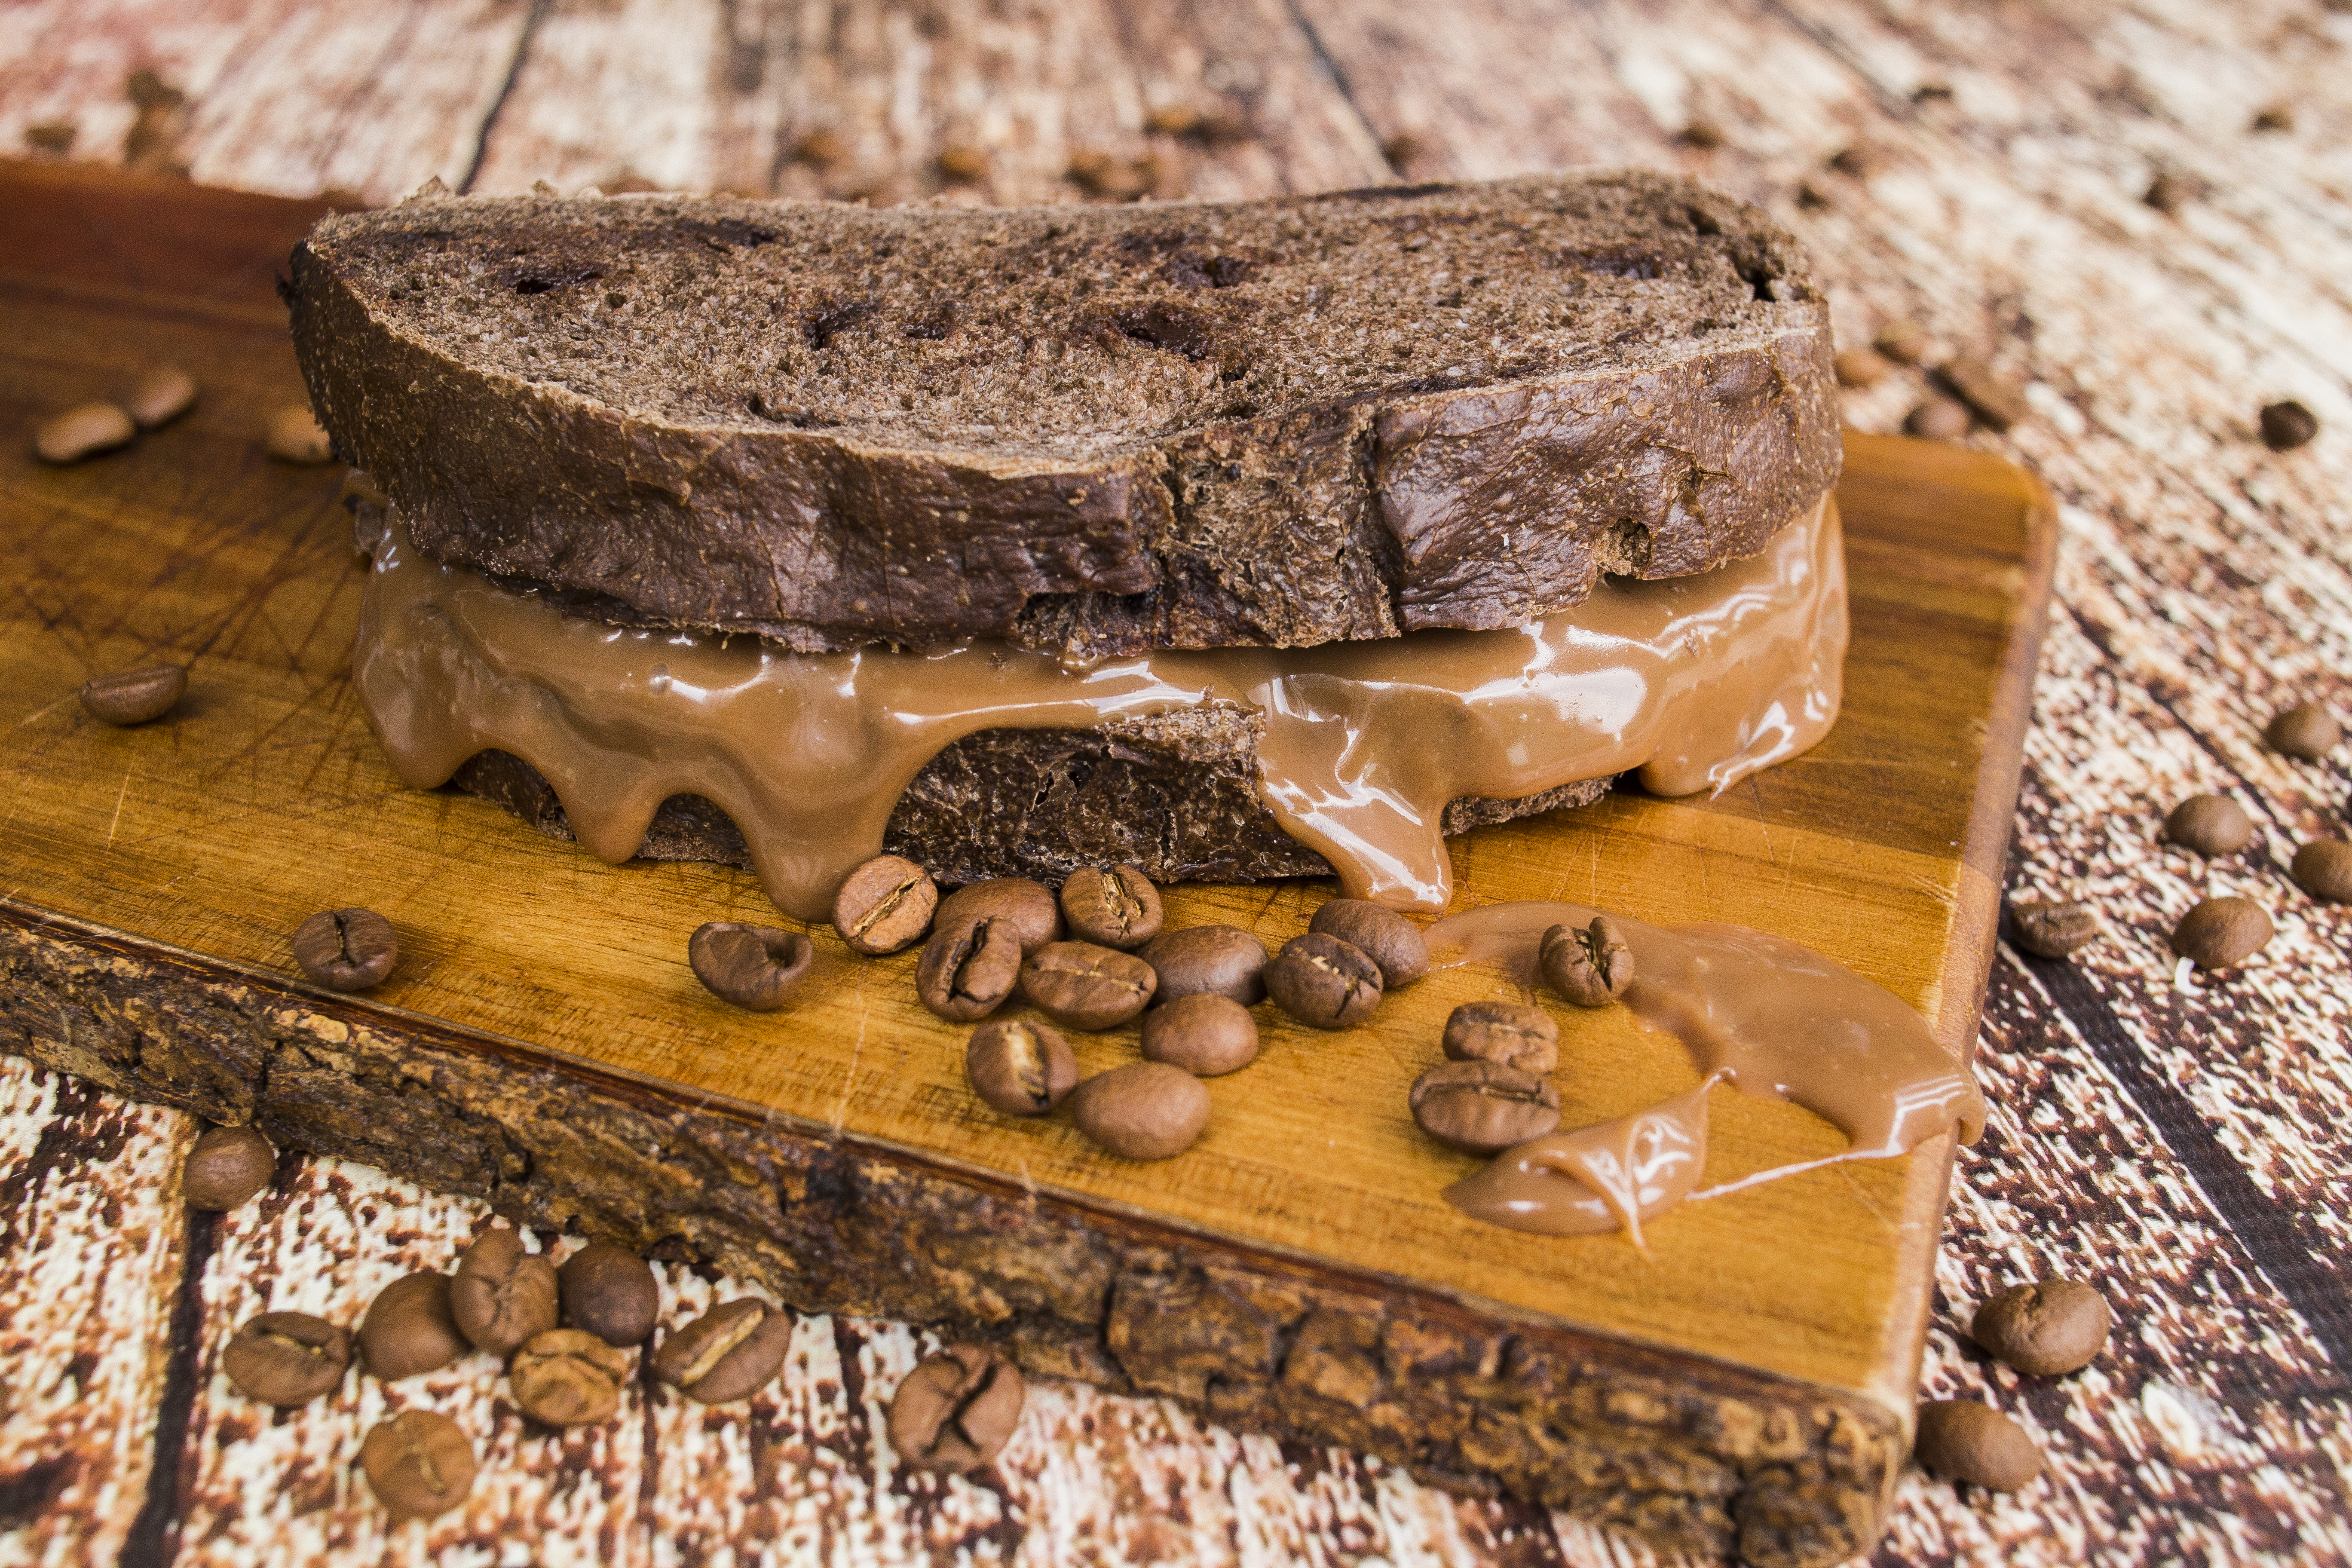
(1692, 683)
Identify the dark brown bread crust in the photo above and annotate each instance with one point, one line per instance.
(1191, 426)
(1173, 795)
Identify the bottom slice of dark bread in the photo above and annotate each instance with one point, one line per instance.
(1174, 794)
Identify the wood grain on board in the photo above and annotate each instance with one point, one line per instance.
(2182, 1150)
(1312, 1202)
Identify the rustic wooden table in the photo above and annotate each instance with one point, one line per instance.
(2181, 1148)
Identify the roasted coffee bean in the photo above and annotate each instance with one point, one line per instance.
(228, 1166)
(2211, 825)
(1483, 1106)
(82, 431)
(568, 1377)
(2051, 929)
(1590, 967)
(1939, 419)
(1857, 162)
(757, 968)
(2222, 933)
(2047, 1329)
(2277, 117)
(134, 695)
(2324, 869)
(1320, 980)
(1704, 134)
(295, 436)
(1861, 367)
(1205, 1033)
(1111, 906)
(1021, 1068)
(1504, 1032)
(1082, 986)
(609, 1291)
(501, 1294)
(419, 1464)
(287, 1358)
(162, 396)
(346, 950)
(1991, 396)
(408, 1329)
(1976, 1444)
(1904, 343)
(1225, 960)
(2288, 424)
(2170, 193)
(2307, 731)
(967, 973)
(956, 1410)
(1381, 935)
(1026, 911)
(885, 905)
(1145, 1110)
(730, 1353)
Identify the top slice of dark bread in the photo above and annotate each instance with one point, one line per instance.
(1101, 429)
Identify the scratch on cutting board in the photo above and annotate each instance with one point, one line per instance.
(849, 1079)
(118, 796)
(42, 712)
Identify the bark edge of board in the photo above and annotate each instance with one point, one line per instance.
(1689, 1454)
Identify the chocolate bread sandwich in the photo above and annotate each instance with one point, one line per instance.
(1227, 541)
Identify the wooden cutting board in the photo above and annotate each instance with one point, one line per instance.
(1746, 1383)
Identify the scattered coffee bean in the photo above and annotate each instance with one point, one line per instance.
(287, 1358)
(609, 1291)
(134, 695)
(1317, 979)
(1856, 162)
(755, 967)
(2046, 1329)
(2051, 929)
(1027, 912)
(2170, 193)
(296, 437)
(567, 1377)
(228, 1167)
(1505, 1032)
(1021, 1068)
(1111, 906)
(1704, 134)
(956, 1410)
(2305, 731)
(2222, 933)
(82, 431)
(160, 395)
(1225, 960)
(1904, 343)
(1082, 986)
(1380, 934)
(501, 1294)
(419, 1464)
(1483, 1106)
(2211, 825)
(1145, 1110)
(1939, 419)
(409, 1330)
(727, 1353)
(2288, 424)
(1205, 1033)
(1590, 967)
(2277, 117)
(346, 950)
(2324, 869)
(967, 973)
(885, 905)
(1976, 1444)
(1861, 367)
(1991, 395)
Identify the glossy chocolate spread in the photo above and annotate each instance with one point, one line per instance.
(1695, 681)
(1765, 1014)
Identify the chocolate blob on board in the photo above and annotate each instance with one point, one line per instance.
(1364, 743)
(1754, 1010)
